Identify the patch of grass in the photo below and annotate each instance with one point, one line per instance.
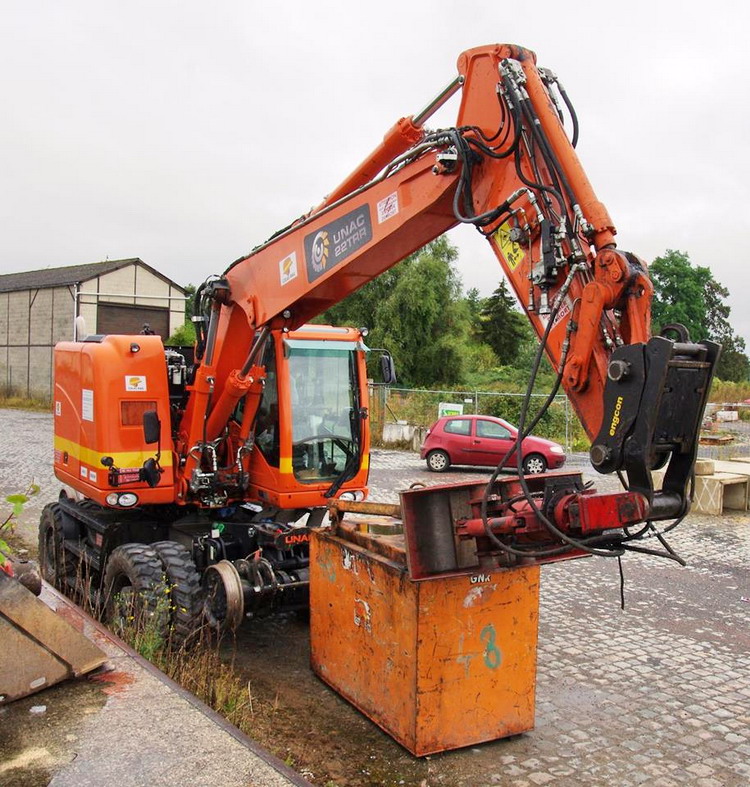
(198, 667)
(11, 401)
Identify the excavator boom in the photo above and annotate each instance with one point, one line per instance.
(234, 455)
(508, 168)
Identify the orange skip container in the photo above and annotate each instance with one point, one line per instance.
(438, 663)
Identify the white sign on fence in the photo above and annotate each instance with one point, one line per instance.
(448, 408)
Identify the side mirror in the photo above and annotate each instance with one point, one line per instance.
(150, 472)
(388, 368)
(151, 427)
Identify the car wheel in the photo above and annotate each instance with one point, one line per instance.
(534, 464)
(438, 461)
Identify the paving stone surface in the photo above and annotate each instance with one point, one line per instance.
(657, 694)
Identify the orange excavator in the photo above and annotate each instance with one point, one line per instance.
(221, 467)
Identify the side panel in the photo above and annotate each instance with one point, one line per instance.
(363, 632)
(477, 641)
(438, 664)
(102, 390)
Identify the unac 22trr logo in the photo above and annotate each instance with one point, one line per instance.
(331, 244)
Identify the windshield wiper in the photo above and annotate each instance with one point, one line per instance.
(353, 462)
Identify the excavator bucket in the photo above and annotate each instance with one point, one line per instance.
(37, 647)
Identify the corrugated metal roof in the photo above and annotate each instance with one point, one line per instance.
(71, 274)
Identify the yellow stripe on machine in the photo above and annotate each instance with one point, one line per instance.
(121, 459)
(285, 464)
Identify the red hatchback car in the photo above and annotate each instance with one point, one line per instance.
(484, 440)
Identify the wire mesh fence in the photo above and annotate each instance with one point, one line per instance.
(725, 433)
(420, 408)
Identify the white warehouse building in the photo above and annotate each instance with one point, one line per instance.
(39, 309)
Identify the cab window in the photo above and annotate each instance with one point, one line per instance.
(493, 430)
(267, 419)
(458, 426)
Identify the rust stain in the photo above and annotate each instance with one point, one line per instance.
(114, 682)
(70, 615)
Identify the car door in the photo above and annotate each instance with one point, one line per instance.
(490, 442)
(457, 440)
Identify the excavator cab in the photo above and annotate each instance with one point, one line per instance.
(312, 431)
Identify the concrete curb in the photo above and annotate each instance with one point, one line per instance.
(154, 731)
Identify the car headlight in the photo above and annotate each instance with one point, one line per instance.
(556, 449)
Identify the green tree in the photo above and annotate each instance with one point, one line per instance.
(474, 305)
(502, 326)
(184, 336)
(733, 363)
(190, 301)
(691, 295)
(679, 293)
(416, 311)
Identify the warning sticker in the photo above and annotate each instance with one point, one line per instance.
(388, 207)
(288, 268)
(135, 382)
(87, 404)
(563, 311)
(512, 251)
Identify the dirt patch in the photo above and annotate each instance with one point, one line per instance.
(306, 724)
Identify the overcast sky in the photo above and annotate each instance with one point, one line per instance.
(187, 132)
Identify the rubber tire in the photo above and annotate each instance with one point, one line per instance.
(55, 564)
(136, 566)
(442, 459)
(533, 464)
(184, 583)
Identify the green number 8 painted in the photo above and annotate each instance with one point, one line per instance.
(492, 655)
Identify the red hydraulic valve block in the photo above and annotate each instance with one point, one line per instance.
(578, 513)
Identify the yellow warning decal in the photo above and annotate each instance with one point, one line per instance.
(512, 251)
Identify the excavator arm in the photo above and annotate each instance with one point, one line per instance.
(509, 168)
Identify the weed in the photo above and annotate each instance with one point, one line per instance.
(12, 400)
